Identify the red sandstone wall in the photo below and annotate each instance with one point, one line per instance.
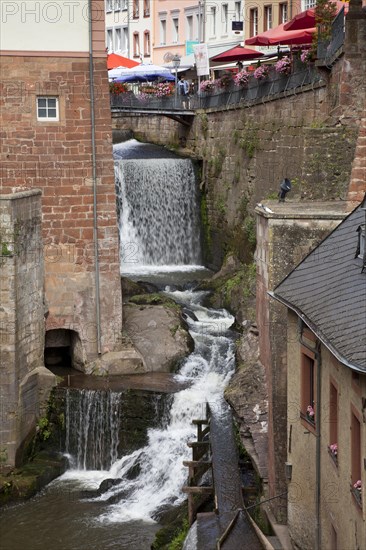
(57, 157)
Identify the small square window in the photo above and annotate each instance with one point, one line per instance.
(47, 108)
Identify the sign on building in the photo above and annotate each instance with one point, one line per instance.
(201, 59)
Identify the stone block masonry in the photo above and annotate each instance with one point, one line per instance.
(24, 382)
(56, 157)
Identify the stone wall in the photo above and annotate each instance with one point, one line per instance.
(57, 158)
(24, 382)
(284, 237)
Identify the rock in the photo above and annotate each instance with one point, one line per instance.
(129, 288)
(157, 333)
(107, 484)
(127, 361)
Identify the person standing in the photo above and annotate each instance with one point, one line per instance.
(183, 87)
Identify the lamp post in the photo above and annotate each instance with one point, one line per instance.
(176, 63)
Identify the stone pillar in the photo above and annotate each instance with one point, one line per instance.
(24, 382)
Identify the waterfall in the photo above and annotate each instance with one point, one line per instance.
(158, 213)
(91, 424)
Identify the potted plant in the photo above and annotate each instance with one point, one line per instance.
(261, 72)
(207, 86)
(310, 414)
(225, 81)
(118, 88)
(283, 66)
(241, 79)
(356, 489)
(333, 451)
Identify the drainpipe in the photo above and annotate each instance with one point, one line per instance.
(94, 178)
(317, 354)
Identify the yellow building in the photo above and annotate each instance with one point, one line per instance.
(326, 357)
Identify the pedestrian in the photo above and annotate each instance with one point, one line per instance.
(183, 87)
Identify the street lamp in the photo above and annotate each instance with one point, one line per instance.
(176, 63)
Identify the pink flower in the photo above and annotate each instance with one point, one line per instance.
(261, 72)
(283, 65)
(310, 411)
(334, 449)
(358, 485)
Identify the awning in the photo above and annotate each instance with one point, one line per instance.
(238, 53)
(306, 19)
(141, 73)
(278, 35)
(114, 60)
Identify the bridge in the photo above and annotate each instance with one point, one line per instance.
(183, 109)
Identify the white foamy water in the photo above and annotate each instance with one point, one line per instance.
(158, 214)
(160, 462)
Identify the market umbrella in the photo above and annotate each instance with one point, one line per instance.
(141, 73)
(238, 53)
(306, 19)
(278, 35)
(114, 60)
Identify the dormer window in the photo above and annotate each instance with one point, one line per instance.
(361, 242)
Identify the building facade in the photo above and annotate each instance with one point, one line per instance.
(326, 398)
(57, 136)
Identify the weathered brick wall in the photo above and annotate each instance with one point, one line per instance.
(57, 157)
(22, 327)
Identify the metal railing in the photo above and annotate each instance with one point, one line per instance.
(327, 50)
(254, 91)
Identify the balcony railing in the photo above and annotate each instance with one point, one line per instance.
(254, 91)
(329, 50)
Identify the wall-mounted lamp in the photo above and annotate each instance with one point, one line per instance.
(288, 471)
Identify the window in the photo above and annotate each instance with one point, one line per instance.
(253, 22)
(237, 9)
(147, 44)
(225, 17)
(117, 5)
(355, 456)
(146, 8)
(189, 27)
(118, 41)
(333, 422)
(124, 39)
(135, 9)
(136, 44)
(267, 17)
(308, 385)
(47, 109)
(175, 30)
(213, 21)
(283, 13)
(109, 5)
(162, 31)
(361, 241)
(307, 4)
(109, 40)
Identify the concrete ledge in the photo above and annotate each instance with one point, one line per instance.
(19, 194)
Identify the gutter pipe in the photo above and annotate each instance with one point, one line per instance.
(94, 179)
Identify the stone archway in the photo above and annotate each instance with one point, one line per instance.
(63, 347)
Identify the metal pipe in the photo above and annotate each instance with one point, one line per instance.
(94, 179)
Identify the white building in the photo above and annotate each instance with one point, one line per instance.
(128, 28)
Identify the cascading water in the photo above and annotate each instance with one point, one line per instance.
(91, 424)
(158, 214)
(159, 227)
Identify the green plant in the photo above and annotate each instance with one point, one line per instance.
(5, 250)
(204, 124)
(249, 140)
(44, 428)
(3, 455)
(178, 541)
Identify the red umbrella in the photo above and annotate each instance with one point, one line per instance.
(306, 18)
(276, 36)
(238, 53)
(115, 60)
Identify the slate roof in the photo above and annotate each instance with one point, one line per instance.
(328, 291)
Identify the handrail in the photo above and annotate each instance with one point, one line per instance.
(254, 91)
